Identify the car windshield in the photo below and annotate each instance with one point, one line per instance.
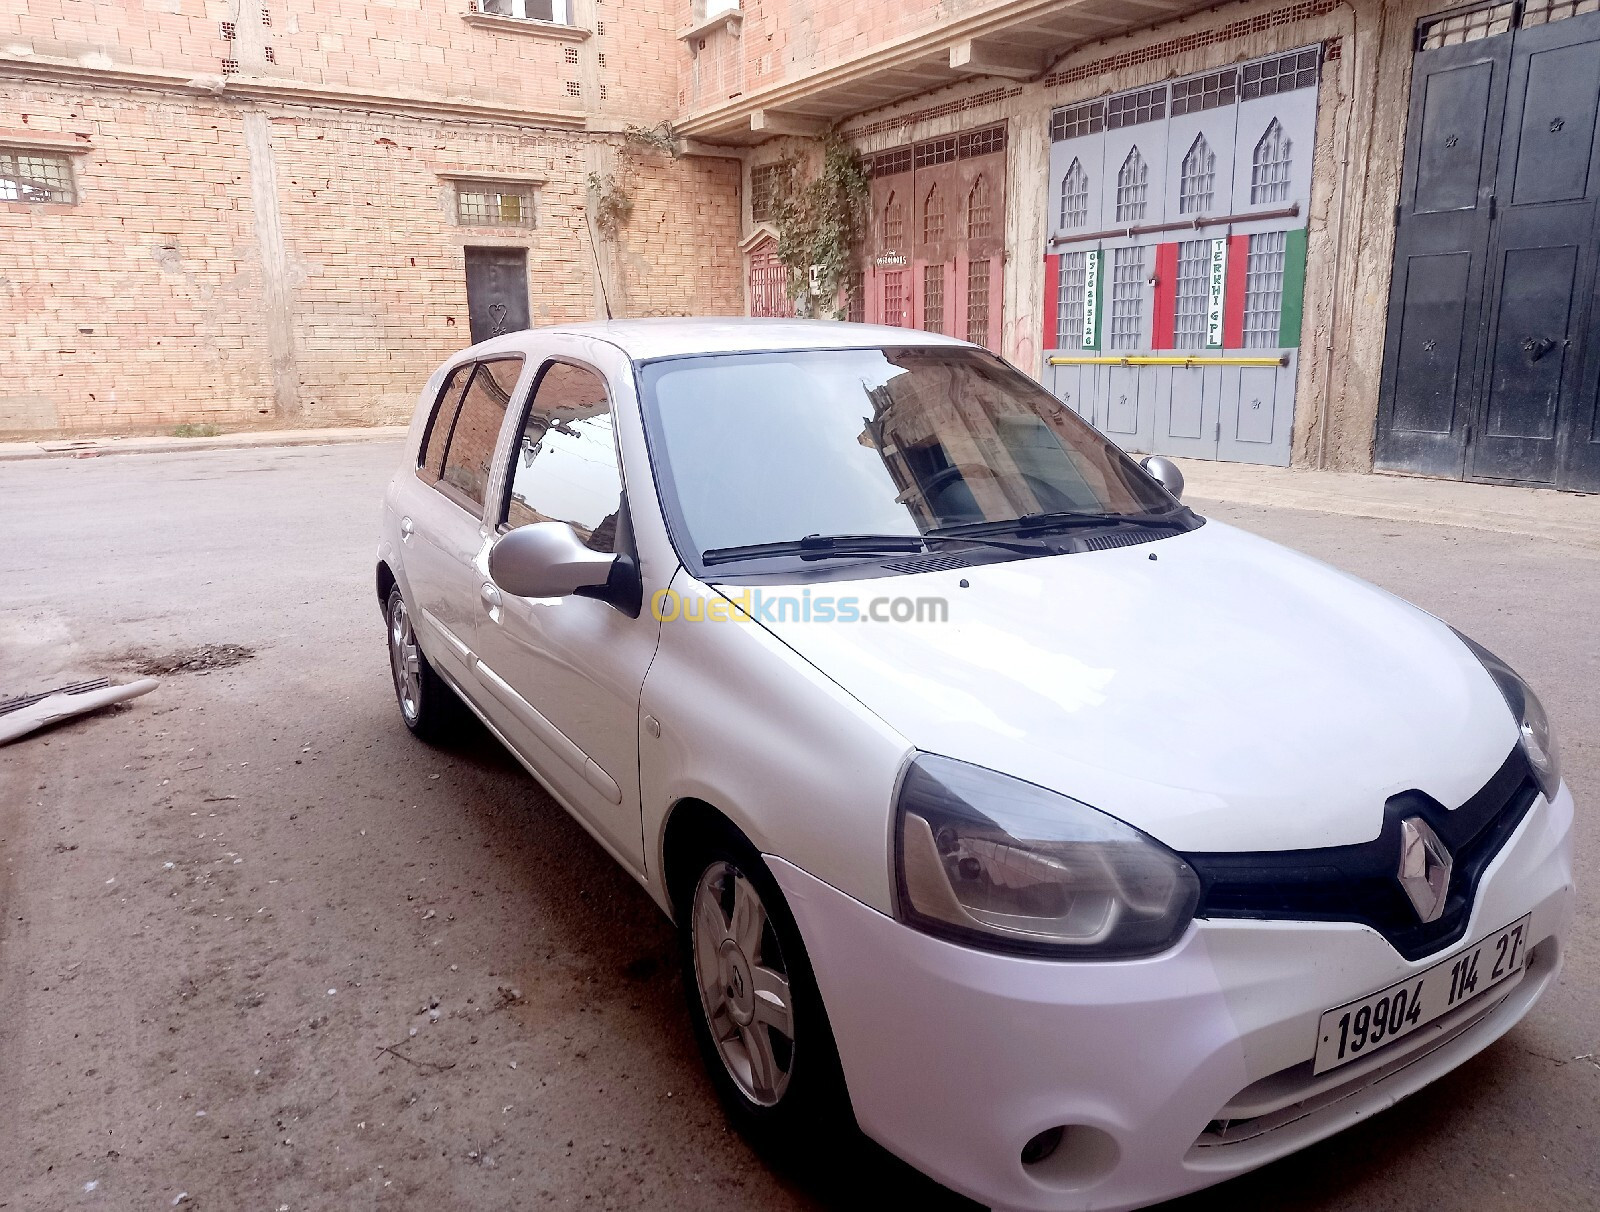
(894, 443)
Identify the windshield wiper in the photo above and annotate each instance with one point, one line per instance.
(828, 546)
(1065, 519)
(818, 547)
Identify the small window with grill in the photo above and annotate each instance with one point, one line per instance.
(1200, 93)
(894, 298)
(1197, 185)
(1074, 196)
(481, 204)
(1263, 289)
(1281, 75)
(573, 89)
(933, 298)
(1193, 294)
(980, 211)
(893, 223)
(981, 142)
(768, 182)
(1130, 109)
(1133, 184)
(1127, 298)
(1270, 165)
(978, 302)
(36, 176)
(570, 54)
(1070, 300)
(887, 164)
(1542, 12)
(1076, 120)
(527, 10)
(935, 151)
(856, 297)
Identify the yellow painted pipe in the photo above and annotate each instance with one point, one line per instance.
(1154, 360)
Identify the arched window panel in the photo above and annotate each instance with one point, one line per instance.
(892, 224)
(1197, 187)
(933, 215)
(1133, 187)
(1075, 197)
(1271, 165)
(980, 210)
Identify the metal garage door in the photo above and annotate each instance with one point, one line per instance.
(1489, 368)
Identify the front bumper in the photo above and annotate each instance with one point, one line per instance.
(1171, 1073)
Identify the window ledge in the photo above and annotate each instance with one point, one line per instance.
(733, 19)
(527, 27)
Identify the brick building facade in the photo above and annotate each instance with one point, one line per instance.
(262, 214)
(1248, 231)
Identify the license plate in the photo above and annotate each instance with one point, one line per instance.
(1348, 1032)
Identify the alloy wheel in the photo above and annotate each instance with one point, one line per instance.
(405, 659)
(743, 983)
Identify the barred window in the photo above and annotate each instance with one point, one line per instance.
(980, 211)
(981, 142)
(887, 164)
(1542, 12)
(1270, 164)
(1070, 301)
(933, 216)
(1129, 109)
(856, 297)
(935, 151)
(1074, 196)
(768, 182)
(1127, 298)
(528, 10)
(1197, 185)
(1204, 92)
(893, 226)
(1086, 119)
(978, 302)
(1133, 181)
(894, 298)
(36, 176)
(933, 298)
(1263, 289)
(1193, 291)
(1273, 76)
(487, 205)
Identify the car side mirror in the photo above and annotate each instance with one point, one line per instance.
(547, 560)
(1166, 473)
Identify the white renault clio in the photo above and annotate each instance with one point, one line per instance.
(1086, 850)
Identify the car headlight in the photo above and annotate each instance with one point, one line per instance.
(1006, 865)
(1538, 740)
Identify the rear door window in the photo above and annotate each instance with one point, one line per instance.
(459, 462)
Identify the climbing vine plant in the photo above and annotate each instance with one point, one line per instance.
(821, 226)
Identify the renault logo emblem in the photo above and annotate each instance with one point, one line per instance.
(1424, 868)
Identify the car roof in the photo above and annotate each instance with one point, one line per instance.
(642, 340)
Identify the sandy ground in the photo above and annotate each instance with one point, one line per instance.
(262, 950)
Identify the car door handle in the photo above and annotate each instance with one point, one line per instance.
(407, 529)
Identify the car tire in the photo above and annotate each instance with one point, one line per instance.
(428, 705)
(754, 1004)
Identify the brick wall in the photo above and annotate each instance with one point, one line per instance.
(166, 262)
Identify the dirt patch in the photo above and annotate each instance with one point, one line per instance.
(201, 659)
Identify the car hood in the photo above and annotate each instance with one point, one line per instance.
(1213, 689)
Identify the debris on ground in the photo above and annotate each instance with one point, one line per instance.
(200, 659)
(31, 712)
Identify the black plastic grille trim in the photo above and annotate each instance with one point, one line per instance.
(1359, 883)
